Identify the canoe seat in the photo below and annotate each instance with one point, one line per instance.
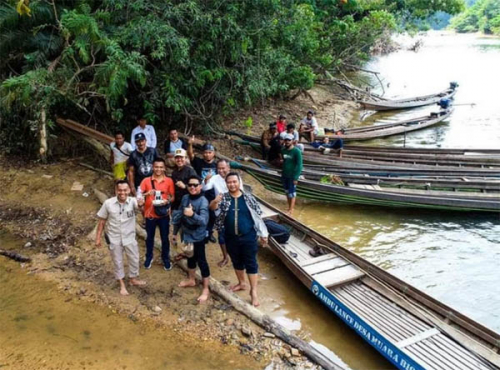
(267, 212)
(331, 270)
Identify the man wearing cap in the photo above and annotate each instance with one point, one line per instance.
(147, 130)
(281, 123)
(140, 162)
(265, 139)
(180, 175)
(292, 168)
(309, 126)
(290, 129)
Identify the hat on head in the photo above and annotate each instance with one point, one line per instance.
(272, 125)
(139, 136)
(208, 147)
(180, 153)
(288, 137)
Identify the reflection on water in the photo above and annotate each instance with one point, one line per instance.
(42, 329)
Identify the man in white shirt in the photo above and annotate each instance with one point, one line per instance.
(218, 183)
(118, 215)
(309, 126)
(120, 151)
(290, 129)
(147, 130)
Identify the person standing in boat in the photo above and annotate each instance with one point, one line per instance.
(309, 127)
(192, 219)
(118, 215)
(292, 168)
(240, 220)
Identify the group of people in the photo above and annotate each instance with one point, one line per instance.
(200, 195)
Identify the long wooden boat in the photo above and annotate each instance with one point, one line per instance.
(406, 103)
(408, 327)
(444, 183)
(371, 195)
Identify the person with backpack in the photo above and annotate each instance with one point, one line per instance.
(240, 220)
(191, 219)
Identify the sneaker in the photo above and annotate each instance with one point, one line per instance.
(167, 268)
(148, 264)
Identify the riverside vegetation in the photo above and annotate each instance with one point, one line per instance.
(175, 62)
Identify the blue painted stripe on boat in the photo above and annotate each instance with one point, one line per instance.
(388, 349)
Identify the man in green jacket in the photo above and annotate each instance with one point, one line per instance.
(292, 168)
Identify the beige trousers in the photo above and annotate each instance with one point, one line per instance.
(132, 252)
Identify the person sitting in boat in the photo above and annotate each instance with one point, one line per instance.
(281, 123)
(267, 136)
(274, 156)
(309, 126)
(326, 145)
(290, 129)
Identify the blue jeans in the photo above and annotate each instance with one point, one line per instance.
(151, 224)
(289, 186)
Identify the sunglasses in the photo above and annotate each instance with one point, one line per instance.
(193, 185)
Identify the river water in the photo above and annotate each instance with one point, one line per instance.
(451, 256)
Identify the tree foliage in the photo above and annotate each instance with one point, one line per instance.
(173, 61)
(482, 16)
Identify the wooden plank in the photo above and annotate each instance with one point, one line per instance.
(338, 276)
(459, 351)
(314, 260)
(327, 265)
(447, 356)
(422, 355)
(267, 212)
(417, 338)
(381, 306)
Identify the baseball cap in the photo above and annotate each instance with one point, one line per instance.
(180, 153)
(288, 137)
(139, 136)
(208, 147)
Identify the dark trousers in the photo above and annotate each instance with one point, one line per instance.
(243, 251)
(199, 258)
(163, 224)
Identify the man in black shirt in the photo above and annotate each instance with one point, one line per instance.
(140, 162)
(180, 176)
(205, 167)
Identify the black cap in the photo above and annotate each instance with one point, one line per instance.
(209, 147)
(139, 136)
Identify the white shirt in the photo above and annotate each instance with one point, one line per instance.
(174, 145)
(295, 135)
(218, 183)
(149, 132)
(120, 225)
(118, 156)
(310, 122)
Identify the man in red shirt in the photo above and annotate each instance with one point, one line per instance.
(159, 193)
(281, 123)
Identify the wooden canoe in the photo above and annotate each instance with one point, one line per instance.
(376, 196)
(409, 328)
(406, 103)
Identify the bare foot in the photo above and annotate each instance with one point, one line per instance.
(123, 291)
(137, 282)
(203, 298)
(238, 287)
(187, 283)
(255, 299)
(223, 262)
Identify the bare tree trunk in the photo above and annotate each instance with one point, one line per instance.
(42, 133)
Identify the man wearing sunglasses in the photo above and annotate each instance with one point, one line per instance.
(191, 219)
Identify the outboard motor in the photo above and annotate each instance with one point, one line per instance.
(444, 103)
(453, 85)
